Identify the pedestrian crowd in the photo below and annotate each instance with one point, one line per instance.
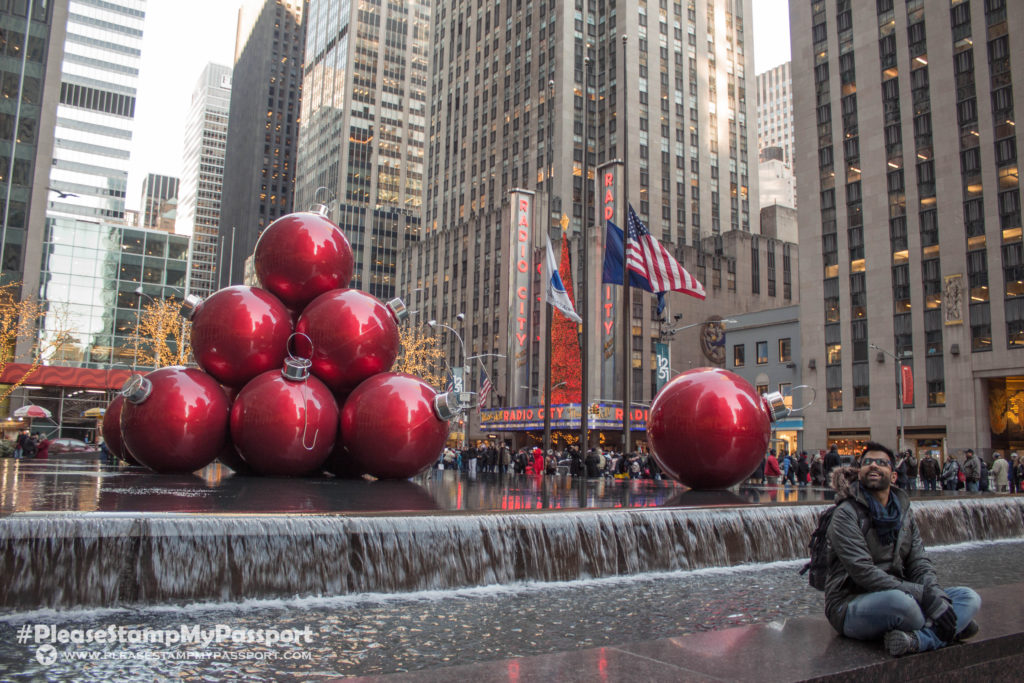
(968, 472)
(502, 459)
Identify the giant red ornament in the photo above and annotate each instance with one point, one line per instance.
(709, 428)
(285, 422)
(175, 419)
(111, 430)
(238, 333)
(302, 255)
(353, 334)
(394, 425)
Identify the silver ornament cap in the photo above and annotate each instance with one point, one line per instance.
(137, 389)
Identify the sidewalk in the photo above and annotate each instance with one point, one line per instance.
(803, 649)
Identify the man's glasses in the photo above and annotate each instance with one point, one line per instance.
(877, 462)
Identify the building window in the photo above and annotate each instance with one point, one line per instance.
(981, 327)
(1015, 323)
(761, 389)
(936, 381)
(785, 350)
(739, 355)
(762, 352)
(834, 388)
(861, 387)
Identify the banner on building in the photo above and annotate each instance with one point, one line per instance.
(664, 370)
(520, 314)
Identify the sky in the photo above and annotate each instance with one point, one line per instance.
(182, 36)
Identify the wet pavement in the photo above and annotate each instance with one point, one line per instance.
(387, 633)
(89, 486)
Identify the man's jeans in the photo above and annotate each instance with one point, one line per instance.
(972, 485)
(929, 485)
(870, 616)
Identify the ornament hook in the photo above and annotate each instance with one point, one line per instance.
(296, 369)
(322, 207)
(814, 395)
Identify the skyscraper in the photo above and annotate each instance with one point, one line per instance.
(199, 199)
(28, 110)
(775, 110)
(158, 191)
(363, 133)
(89, 172)
(507, 111)
(259, 168)
(910, 221)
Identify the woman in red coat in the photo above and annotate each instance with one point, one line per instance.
(43, 449)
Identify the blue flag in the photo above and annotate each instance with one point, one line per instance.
(614, 258)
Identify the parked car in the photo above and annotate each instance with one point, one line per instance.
(73, 448)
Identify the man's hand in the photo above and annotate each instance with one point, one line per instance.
(939, 608)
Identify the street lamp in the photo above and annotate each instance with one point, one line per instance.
(465, 368)
(703, 322)
(547, 307)
(899, 381)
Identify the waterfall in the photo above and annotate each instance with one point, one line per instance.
(61, 560)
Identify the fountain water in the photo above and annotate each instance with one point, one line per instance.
(105, 559)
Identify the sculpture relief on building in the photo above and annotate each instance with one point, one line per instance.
(952, 299)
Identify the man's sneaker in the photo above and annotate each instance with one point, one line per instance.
(969, 631)
(899, 643)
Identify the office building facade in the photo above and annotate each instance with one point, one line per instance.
(363, 134)
(199, 201)
(507, 113)
(775, 110)
(28, 110)
(910, 222)
(263, 135)
(159, 202)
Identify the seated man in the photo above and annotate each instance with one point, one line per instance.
(880, 584)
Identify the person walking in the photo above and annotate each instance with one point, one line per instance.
(832, 461)
(772, 471)
(950, 474)
(972, 470)
(817, 471)
(1018, 469)
(1000, 473)
(929, 471)
(912, 470)
(803, 469)
(1012, 473)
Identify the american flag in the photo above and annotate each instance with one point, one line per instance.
(450, 385)
(647, 257)
(485, 387)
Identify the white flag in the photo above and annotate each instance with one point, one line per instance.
(557, 296)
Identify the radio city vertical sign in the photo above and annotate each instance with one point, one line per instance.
(520, 314)
(611, 207)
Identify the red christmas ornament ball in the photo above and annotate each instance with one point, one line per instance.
(354, 336)
(239, 332)
(708, 428)
(302, 255)
(390, 428)
(175, 419)
(284, 427)
(111, 430)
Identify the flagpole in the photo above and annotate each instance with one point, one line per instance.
(585, 289)
(627, 331)
(547, 306)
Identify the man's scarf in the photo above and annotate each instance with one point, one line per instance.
(886, 521)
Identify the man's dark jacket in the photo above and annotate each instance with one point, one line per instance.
(859, 563)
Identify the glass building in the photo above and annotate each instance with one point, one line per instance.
(27, 109)
(363, 134)
(95, 280)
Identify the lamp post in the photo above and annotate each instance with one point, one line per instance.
(899, 382)
(585, 276)
(547, 305)
(626, 353)
(465, 367)
(665, 370)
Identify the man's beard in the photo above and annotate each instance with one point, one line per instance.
(880, 484)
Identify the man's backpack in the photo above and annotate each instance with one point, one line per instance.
(817, 566)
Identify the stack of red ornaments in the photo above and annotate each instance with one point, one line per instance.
(295, 376)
